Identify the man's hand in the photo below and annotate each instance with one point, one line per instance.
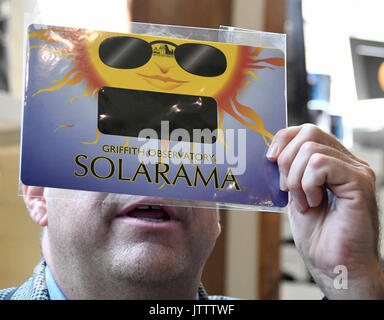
(332, 210)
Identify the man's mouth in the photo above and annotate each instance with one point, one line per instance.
(151, 213)
(151, 216)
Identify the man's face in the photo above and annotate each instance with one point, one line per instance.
(128, 237)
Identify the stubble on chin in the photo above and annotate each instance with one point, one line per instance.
(149, 264)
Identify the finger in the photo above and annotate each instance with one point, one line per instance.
(335, 173)
(308, 132)
(280, 140)
(284, 137)
(293, 182)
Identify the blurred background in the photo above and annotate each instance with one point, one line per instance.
(335, 78)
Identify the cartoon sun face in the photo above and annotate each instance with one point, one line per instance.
(157, 64)
(141, 62)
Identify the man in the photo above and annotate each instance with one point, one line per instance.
(105, 246)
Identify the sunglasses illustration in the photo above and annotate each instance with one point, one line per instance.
(199, 59)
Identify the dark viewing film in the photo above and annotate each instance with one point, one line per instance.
(126, 112)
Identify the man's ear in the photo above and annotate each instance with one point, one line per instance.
(36, 204)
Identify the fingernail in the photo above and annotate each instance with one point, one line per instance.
(283, 185)
(298, 207)
(272, 151)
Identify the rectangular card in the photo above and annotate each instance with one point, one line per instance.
(154, 116)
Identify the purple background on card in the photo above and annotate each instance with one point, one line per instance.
(48, 155)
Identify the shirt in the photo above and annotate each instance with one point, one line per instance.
(54, 291)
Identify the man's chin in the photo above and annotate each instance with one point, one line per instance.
(150, 263)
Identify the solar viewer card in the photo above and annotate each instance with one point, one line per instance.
(153, 116)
